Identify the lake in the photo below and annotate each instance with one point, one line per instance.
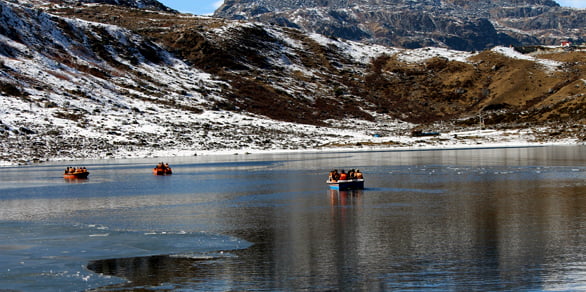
(503, 219)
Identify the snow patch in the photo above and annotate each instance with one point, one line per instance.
(512, 53)
(423, 54)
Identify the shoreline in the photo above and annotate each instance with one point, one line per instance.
(178, 153)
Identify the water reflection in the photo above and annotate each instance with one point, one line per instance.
(77, 180)
(500, 237)
(345, 198)
(153, 271)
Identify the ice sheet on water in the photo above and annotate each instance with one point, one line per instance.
(54, 257)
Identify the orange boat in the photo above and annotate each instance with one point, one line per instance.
(162, 169)
(78, 174)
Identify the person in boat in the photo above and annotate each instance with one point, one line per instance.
(334, 176)
(343, 175)
(162, 166)
(358, 174)
(351, 174)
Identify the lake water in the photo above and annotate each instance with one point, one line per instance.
(451, 220)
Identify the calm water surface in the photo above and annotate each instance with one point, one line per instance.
(457, 220)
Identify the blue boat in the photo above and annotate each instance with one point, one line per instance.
(351, 184)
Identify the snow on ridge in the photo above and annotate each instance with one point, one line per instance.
(280, 35)
(225, 30)
(423, 54)
(321, 39)
(365, 53)
(512, 53)
(362, 53)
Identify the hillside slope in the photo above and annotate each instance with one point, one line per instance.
(268, 66)
(112, 81)
(462, 25)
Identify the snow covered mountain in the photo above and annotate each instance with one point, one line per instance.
(95, 80)
(456, 24)
(139, 4)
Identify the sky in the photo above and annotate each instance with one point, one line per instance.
(199, 7)
(205, 7)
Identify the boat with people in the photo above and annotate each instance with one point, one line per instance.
(162, 169)
(76, 173)
(351, 180)
(342, 185)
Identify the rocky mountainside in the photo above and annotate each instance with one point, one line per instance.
(456, 24)
(102, 80)
(139, 4)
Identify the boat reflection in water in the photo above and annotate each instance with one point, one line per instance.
(345, 198)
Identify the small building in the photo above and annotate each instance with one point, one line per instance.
(566, 44)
